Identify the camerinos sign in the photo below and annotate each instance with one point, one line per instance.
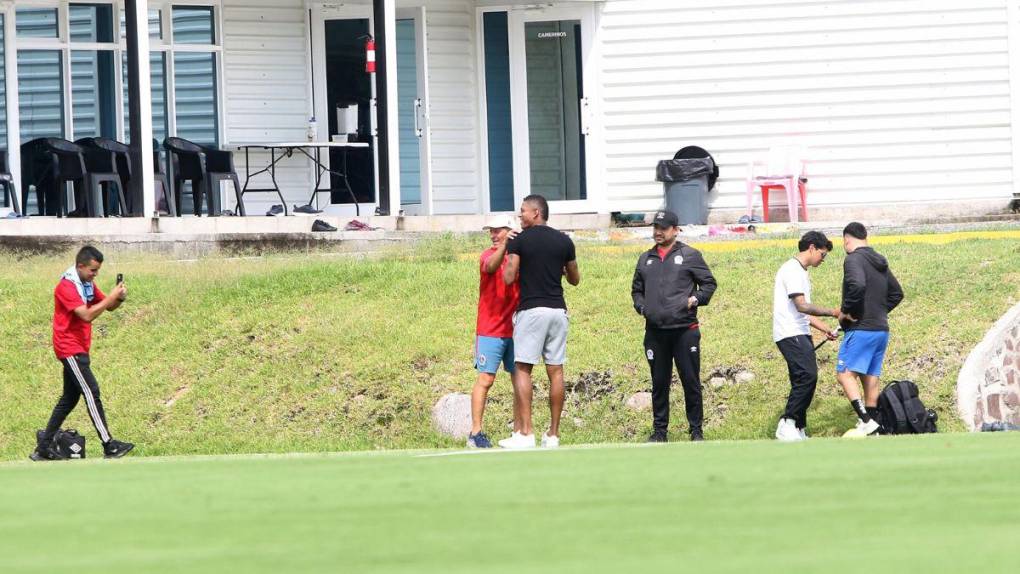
(552, 35)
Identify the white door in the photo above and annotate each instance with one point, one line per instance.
(551, 78)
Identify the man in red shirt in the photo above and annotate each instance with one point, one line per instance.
(78, 302)
(494, 341)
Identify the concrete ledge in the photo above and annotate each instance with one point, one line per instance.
(988, 386)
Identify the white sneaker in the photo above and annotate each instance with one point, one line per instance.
(863, 429)
(518, 441)
(550, 441)
(803, 434)
(787, 431)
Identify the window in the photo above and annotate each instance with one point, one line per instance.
(3, 86)
(36, 22)
(40, 94)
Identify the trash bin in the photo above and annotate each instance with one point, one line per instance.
(685, 183)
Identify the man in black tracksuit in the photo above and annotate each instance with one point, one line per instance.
(670, 282)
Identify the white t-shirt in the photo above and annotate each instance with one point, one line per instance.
(787, 321)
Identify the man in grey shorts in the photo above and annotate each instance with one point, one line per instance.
(541, 256)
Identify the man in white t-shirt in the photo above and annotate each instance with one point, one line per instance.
(793, 316)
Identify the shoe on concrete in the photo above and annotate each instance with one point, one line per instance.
(275, 211)
(787, 431)
(697, 435)
(863, 429)
(307, 209)
(518, 441)
(478, 440)
(549, 441)
(658, 436)
(116, 449)
(320, 225)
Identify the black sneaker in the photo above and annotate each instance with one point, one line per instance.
(696, 435)
(45, 449)
(658, 436)
(320, 225)
(116, 449)
(306, 209)
(275, 210)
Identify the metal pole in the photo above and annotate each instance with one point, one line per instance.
(383, 11)
(142, 196)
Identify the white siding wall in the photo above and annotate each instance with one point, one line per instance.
(266, 90)
(266, 94)
(898, 101)
(453, 89)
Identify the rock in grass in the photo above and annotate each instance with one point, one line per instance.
(452, 415)
(640, 401)
(743, 377)
(717, 382)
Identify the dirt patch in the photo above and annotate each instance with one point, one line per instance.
(180, 392)
(591, 385)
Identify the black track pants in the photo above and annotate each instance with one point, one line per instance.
(663, 349)
(79, 381)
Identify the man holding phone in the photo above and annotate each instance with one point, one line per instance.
(78, 302)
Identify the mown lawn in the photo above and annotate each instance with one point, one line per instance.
(323, 353)
(933, 503)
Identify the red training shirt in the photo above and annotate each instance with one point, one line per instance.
(71, 335)
(497, 301)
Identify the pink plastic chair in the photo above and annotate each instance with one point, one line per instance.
(784, 170)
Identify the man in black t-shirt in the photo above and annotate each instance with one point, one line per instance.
(542, 256)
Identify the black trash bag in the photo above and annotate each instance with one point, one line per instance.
(677, 170)
(693, 151)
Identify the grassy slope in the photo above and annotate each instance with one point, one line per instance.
(314, 354)
(910, 504)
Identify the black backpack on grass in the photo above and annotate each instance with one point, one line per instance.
(900, 410)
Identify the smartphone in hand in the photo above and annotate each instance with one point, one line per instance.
(120, 278)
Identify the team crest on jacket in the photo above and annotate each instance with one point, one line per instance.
(679, 259)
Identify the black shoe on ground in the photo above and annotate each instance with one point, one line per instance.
(306, 209)
(320, 225)
(275, 210)
(45, 449)
(116, 449)
(696, 435)
(657, 436)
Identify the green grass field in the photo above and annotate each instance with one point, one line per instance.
(321, 353)
(937, 503)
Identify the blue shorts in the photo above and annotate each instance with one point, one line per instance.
(490, 351)
(863, 352)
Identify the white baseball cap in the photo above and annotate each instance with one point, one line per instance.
(500, 221)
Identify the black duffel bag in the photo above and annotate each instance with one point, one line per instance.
(69, 444)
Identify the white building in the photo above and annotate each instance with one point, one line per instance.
(900, 102)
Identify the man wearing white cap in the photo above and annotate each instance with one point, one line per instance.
(494, 343)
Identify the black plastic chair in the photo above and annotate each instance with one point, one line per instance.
(49, 164)
(109, 164)
(205, 167)
(7, 181)
(159, 173)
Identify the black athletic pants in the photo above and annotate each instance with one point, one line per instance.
(663, 349)
(79, 381)
(799, 353)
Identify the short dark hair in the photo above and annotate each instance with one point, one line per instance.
(856, 230)
(539, 202)
(88, 254)
(816, 238)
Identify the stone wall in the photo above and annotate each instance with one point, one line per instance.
(988, 388)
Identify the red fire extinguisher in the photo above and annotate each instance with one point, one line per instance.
(370, 55)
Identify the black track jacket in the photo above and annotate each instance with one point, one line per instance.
(661, 287)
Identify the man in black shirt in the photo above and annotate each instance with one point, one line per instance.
(542, 256)
(670, 282)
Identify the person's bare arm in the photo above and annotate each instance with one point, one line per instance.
(513, 264)
(496, 259)
(573, 273)
(817, 323)
(111, 302)
(800, 302)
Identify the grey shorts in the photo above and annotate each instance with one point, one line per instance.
(541, 333)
